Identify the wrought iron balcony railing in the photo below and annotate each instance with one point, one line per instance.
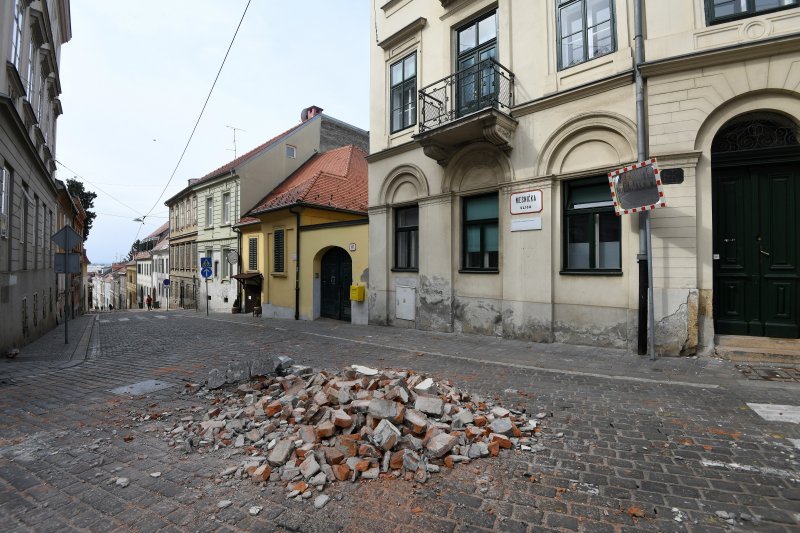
(480, 86)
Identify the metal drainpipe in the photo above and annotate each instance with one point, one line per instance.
(297, 264)
(641, 146)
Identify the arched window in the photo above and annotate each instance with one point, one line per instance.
(755, 131)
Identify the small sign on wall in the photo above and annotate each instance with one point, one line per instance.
(526, 224)
(352, 247)
(526, 202)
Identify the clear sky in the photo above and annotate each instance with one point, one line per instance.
(135, 75)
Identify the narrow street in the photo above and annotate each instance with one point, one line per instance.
(627, 444)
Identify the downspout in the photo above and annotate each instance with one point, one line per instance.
(239, 286)
(641, 147)
(297, 264)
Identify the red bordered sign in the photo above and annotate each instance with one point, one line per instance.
(637, 188)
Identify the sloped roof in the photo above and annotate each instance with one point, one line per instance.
(141, 256)
(246, 221)
(249, 155)
(162, 245)
(163, 228)
(334, 179)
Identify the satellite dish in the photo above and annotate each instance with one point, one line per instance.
(233, 257)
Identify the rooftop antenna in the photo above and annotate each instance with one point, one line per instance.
(235, 129)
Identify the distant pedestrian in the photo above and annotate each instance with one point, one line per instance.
(149, 302)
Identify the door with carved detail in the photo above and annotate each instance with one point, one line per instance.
(755, 198)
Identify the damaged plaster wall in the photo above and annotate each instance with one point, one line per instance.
(676, 315)
(435, 311)
(482, 316)
(590, 325)
(528, 321)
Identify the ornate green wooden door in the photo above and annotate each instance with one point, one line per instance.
(757, 240)
(337, 275)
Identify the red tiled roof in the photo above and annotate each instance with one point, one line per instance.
(246, 221)
(142, 255)
(243, 158)
(334, 179)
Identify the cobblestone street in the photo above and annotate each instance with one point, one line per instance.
(630, 445)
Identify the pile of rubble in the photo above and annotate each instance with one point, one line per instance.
(309, 429)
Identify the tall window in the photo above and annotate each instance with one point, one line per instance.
(477, 46)
(209, 212)
(30, 86)
(226, 267)
(23, 231)
(591, 229)
(403, 82)
(193, 259)
(36, 223)
(585, 30)
(406, 238)
(252, 249)
(480, 233)
(5, 192)
(278, 251)
(194, 210)
(187, 216)
(16, 35)
(718, 11)
(226, 208)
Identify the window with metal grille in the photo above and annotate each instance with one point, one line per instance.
(278, 252)
(253, 254)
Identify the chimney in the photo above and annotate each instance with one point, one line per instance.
(310, 112)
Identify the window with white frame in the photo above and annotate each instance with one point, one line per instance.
(291, 151)
(5, 191)
(585, 30)
(209, 211)
(194, 210)
(226, 208)
(187, 213)
(16, 34)
(226, 267)
(30, 85)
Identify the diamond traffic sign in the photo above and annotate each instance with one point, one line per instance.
(67, 238)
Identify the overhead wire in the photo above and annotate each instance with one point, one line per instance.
(197, 123)
(123, 204)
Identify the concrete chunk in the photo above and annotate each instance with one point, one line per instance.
(439, 445)
(429, 404)
(281, 452)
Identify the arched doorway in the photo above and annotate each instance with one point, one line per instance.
(755, 160)
(337, 275)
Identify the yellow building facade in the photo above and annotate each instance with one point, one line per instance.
(332, 240)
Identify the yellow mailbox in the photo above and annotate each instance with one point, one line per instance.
(357, 293)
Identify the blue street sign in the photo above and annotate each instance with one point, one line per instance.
(205, 262)
(166, 282)
(206, 272)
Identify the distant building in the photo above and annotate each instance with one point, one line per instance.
(145, 276)
(224, 195)
(31, 35)
(306, 243)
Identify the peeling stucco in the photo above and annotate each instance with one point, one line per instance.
(477, 315)
(613, 336)
(435, 304)
(526, 327)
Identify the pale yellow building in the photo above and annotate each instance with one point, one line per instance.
(476, 101)
(320, 210)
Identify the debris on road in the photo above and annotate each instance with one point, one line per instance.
(309, 429)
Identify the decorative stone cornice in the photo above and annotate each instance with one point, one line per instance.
(436, 151)
(729, 54)
(576, 93)
(392, 151)
(403, 34)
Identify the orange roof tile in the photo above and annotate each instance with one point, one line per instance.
(333, 179)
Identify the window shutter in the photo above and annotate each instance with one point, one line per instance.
(279, 251)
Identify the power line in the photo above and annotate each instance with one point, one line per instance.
(96, 187)
(197, 123)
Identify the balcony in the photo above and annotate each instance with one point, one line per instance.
(472, 105)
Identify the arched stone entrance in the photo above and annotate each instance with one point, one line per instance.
(755, 161)
(336, 273)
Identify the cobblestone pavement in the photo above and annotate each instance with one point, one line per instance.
(631, 444)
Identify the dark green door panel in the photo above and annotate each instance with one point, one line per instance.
(337, 274)
(757, 240)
